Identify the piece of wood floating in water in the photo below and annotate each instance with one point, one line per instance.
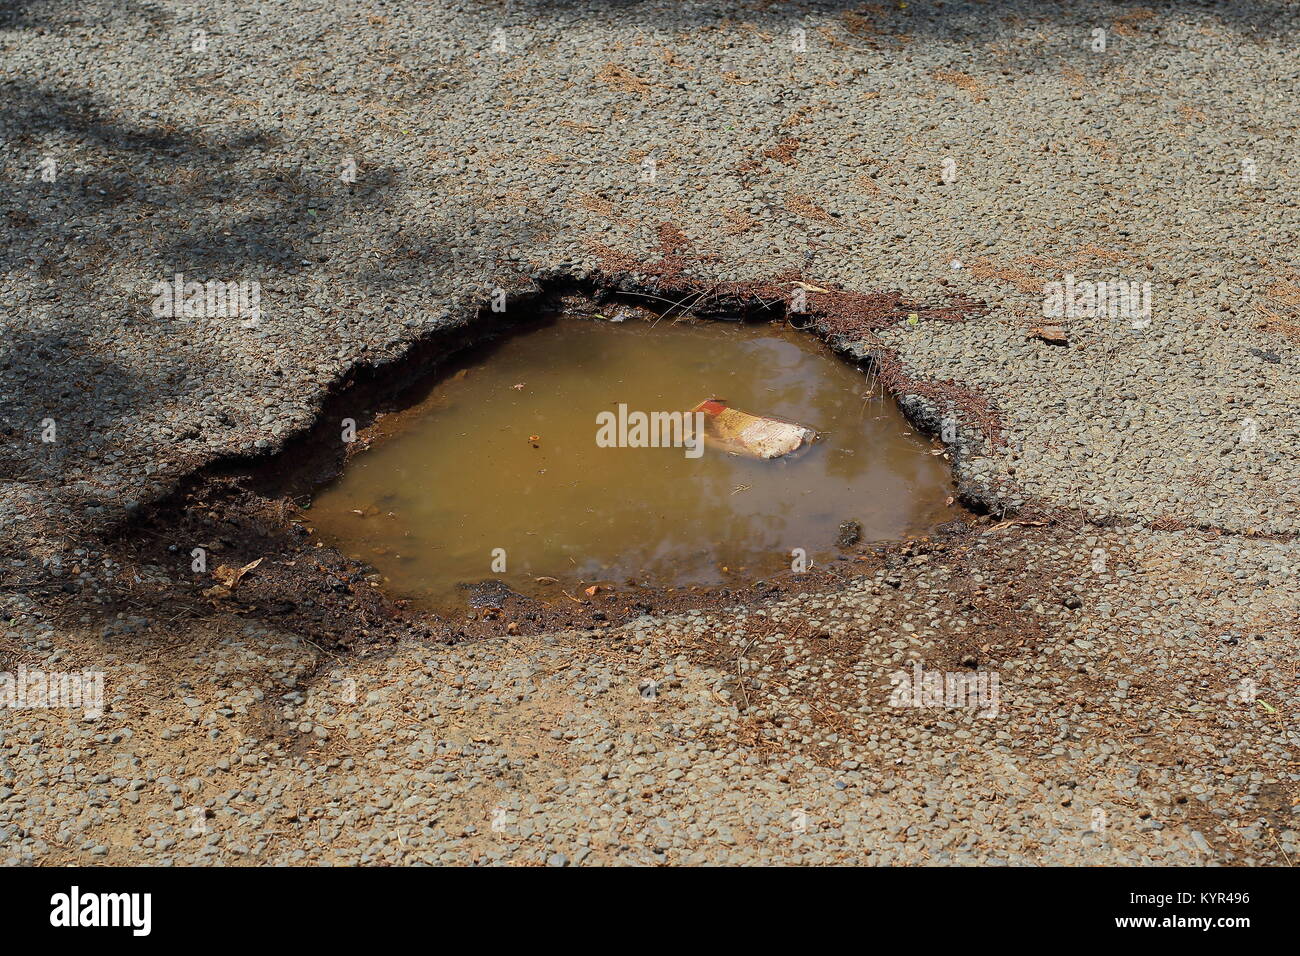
(754, 436)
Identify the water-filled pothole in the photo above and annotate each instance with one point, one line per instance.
(504, 470)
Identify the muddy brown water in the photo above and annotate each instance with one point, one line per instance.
(499, 465)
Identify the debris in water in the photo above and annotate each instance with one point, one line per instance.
(754, 436)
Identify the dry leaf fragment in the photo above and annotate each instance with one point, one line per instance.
(229, 578)
(1050, 333)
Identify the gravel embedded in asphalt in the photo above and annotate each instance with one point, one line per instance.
(492, 146)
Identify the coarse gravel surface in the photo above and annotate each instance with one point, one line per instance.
(1144, 639)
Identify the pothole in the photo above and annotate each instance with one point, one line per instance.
(279, 538)
(565, 458)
